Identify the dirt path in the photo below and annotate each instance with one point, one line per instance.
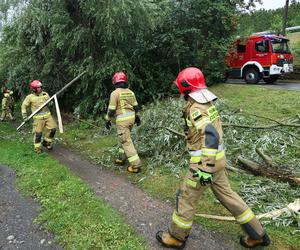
(17, 213)
(146, 214)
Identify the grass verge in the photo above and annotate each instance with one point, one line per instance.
(69, 208)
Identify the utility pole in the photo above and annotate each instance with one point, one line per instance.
(285, 16)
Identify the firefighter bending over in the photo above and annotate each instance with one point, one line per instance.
(43, 120)
(123, 107)
(7, 105)
(207, 167)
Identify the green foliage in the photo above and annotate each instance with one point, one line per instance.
(150, 40)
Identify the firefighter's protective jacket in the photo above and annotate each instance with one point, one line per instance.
(34, 101)
(123, 104)
(5, 102)
(204, 136)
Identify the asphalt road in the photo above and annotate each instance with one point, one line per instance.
(17, 213)
(280, 84)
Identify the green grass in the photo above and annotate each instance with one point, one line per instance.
(69, 207)
(295, 44)
(275, 104)
(161, 181)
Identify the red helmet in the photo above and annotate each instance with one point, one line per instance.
(119, 77)
(34, 85)
(189, 80)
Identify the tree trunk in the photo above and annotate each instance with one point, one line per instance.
(285, 16)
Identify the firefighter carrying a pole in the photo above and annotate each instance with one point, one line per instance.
(43, 120)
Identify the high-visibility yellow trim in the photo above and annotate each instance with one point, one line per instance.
(191, 183)
(195, 159)
(195, 114)
(45, 115)
(133, 158)
(202, 122)
(189, 123)
(220, 154)
(121, 150)
(213, 113)
(209, 152)
(181, 223)
(111, 107)
(245, 217)
(126, 116)
(126, 95)
(47, 139)
(37, 145)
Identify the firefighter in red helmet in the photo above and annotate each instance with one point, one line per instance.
(43, 120)
(123, 108)
(206, 167)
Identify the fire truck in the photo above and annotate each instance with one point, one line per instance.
(260, 56)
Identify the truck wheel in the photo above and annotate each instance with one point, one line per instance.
(270, 79)
(252, 76)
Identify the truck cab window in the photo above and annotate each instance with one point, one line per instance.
(262, 46)
(280, 46)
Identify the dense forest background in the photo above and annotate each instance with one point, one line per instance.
(151, 40)
(267, 20)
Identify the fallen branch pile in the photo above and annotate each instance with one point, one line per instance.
(269, 169)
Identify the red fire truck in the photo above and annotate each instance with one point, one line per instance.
(260, 56)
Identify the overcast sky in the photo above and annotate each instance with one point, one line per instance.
(271, 4)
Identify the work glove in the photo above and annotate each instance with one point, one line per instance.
(137, 120)
(108, 125)
(203, 177)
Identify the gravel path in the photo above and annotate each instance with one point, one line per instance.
(17, 213)
(144, 213)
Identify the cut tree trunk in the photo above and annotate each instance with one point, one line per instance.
(271, 172)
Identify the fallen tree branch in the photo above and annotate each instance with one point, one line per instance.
(88, 123)
(291, 134)
(236, 170)
(264, 117)
(174, 131)
(292, 207)
(268, 160)
(255, 169)
(270, 119)
(261, 127)
(248, 126)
